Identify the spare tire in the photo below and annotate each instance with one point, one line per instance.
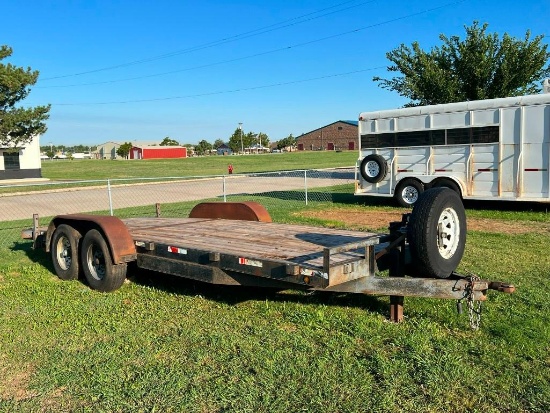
(437, 233)
(373, 168)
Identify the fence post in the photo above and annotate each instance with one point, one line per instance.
(224, 194)
(305, 184)
(110, 197)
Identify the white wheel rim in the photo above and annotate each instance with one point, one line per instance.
(96, 262)
(63, 249)
(448, 233)
(409, 194)
(372, 169)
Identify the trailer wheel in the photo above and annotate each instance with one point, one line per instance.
(374, 168)
(64, 250)
(447, 183)
(99, 270)
(437, 233)
(408, 191)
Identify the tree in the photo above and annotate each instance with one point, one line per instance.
(203, 147)
(288, 142)
(262, 139)
(482, 66)
(218, 143)
(18, 125)
(124, 149)
(169, 142)
(235, 140)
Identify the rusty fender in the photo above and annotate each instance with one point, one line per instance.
(121, 244)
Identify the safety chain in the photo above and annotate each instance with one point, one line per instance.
(474, 307)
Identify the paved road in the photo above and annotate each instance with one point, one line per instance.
(64, 201)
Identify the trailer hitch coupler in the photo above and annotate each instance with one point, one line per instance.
(502, 287)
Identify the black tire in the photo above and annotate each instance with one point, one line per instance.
(64, 251)
(437, 233)
(373, 168)
(99, 270)
(408, 191)
(447, 183)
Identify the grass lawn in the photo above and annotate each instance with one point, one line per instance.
(208, 165)
(165, 344)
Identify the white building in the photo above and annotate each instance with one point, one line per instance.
(22, 161)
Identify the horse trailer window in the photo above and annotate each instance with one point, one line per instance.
(458, 136)
(435, 137)
(487, 134)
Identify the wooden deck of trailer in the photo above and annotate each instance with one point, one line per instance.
(297, 244)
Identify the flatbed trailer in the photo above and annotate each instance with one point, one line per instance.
(237, 244)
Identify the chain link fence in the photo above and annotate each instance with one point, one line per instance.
(278, 192)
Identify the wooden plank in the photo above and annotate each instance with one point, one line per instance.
(298, 244)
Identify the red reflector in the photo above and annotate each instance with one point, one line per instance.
(535, 170)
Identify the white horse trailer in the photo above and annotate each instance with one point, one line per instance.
(496, 149)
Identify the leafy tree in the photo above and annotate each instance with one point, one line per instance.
(288, 142)
(203, 147)
(18, 125)
(249, 139)
(235, 140)
(169, 142)
(50, 154)
(482, 66)
(124, 149)
(218, 143)
(262, 139)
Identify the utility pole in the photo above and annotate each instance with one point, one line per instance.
(241, 134)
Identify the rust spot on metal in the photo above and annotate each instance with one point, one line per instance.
(243, 211)
(502, 287)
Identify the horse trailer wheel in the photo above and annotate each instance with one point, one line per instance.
(408, 191)
(447, 183)
(99, 270)
(373, 168)
(64, 250)
(437, 233)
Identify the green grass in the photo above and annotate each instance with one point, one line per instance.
(215, 165)
(170, 345)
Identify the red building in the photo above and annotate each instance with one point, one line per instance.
(341, 135)
(158, 152)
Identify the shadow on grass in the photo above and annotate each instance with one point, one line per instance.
(233, 295)
(37, 256)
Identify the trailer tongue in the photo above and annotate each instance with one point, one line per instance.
(237, 244)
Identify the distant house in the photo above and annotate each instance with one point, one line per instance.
(224, 150)
(22, 161)
(107, 150)
(256, 148)
(340, 135)
(81, 155)
(158, 152)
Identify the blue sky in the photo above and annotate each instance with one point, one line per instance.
(122, 70)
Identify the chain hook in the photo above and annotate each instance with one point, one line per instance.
(474, 307)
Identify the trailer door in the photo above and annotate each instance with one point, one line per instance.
(535, 152)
